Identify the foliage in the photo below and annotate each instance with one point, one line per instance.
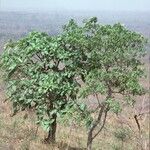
(109, 65)
(115, 60)
(39, 75)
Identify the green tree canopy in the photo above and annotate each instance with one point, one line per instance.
(39, 75)
(110, 64)
(41, 72)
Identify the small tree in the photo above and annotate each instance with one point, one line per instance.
(110, 65)
(42, 71)
(39, 76)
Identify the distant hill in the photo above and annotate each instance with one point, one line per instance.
(14, 25)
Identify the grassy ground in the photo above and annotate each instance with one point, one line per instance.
(18, 133)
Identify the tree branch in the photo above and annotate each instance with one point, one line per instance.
(98, 118)
(103, 125)
(98, 100)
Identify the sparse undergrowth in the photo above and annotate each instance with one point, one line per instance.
(18, 133)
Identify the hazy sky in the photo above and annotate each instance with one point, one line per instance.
(47, 5)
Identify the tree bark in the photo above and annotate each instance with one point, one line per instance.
(103, 110)
(51, 138)
(95, 124)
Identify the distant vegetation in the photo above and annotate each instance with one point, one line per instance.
(14, 25)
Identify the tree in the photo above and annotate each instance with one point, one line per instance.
(40, 76)
(110, 65)
(42, 72)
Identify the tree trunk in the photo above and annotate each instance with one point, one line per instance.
(95, 123)
(89, 140)
(51, 138)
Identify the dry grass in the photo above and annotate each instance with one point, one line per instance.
(19, 134)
